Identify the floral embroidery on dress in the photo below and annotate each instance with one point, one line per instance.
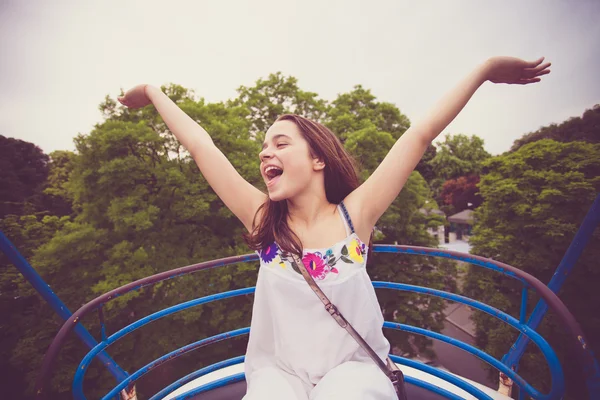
(268, 253)
(318, 265)
(280, 262)
(356, 251)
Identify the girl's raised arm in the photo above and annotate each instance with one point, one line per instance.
(239, 196)
(370, 200)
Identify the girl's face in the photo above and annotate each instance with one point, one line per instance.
(286, 163)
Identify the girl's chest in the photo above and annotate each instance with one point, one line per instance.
(325, 235)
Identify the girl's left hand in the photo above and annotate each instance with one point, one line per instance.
(135, 97)
(513, 70)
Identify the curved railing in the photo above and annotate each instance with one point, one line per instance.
(529, 282)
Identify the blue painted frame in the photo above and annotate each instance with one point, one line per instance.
(56, 303)
(555, 368)
(556, 371)
(529, 282)
(565, 267)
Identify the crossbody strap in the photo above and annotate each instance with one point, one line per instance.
(339, 318)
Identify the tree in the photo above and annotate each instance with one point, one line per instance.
(25, 329)
(58, 200)
(424, 166)
(161, 214)
(275, 96)
(458, 155)
(358, 110)
(24, 169)
(142, 208)
(461, 193)
(585, 128)
(535, 198)
(137, 205)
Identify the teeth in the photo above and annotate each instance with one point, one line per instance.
(271, 168)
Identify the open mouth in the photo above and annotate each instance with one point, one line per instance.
(273, 173)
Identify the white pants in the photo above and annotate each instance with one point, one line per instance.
(351, 380)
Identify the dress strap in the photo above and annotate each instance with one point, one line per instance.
(347, 216)
(343, 219)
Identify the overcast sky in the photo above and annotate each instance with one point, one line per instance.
(58, 59)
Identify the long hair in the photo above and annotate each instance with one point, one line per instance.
(341, 178)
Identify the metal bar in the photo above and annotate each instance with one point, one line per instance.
(584, 353)
(196, 374)
(102, 326)
(583, 236)
(555, 368)
(56, 303)
(77, 387)
(581, 350)
(558, 384)
(523, 313)
(467, 387)
(172, 355)
(212, 385)
(57, 343)
(408, 379)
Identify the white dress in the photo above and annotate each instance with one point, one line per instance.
(296, 350)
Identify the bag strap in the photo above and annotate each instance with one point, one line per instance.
(389, 368)
(339, 318)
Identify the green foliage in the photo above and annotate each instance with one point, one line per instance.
(58, 197)
(277, 95)
(28, 324)
(355, 111)
(459, 155)
(585, 128)
(424, 166)
(137, 205)
(24, 170)
(535, 200)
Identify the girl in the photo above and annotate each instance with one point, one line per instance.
(316, 209)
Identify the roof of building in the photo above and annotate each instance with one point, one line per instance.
(463, 217)
(432, 211)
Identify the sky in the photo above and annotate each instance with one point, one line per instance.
(59, 59)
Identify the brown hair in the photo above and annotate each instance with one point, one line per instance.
(341, 178)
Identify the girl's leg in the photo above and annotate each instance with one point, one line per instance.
(271, 383)
(354, 380)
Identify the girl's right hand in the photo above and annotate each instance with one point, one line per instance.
(135, 97)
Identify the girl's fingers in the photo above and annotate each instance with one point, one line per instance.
(539, 67)
(533, 64)
(544, 72)
(526, 81)
(531, 73)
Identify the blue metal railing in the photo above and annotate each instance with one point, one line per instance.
(57, 305)
(550, 297)
(582, 237)
(588, 363)
(555, 369)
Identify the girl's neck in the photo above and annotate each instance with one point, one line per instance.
(305, 211)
